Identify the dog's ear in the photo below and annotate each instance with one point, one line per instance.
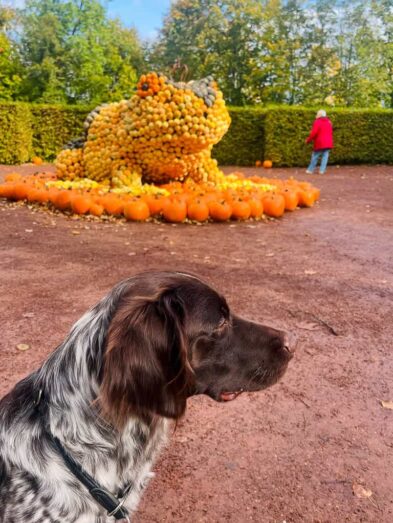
(146, 370)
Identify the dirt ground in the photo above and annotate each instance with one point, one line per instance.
(315, 448)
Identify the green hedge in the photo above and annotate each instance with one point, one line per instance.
(15, 133)
(54, 126)
(360, 135)
(244, 142)
(363, 136)
(28, 130)
(256, 133)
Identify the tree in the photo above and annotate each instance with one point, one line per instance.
(312, 52)
(73, 53)
(383, 12)
(284, 51)
(211, 38)
(323, 64)
(10, 69)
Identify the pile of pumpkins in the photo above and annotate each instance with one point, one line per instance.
(164, 132)
(234, 198)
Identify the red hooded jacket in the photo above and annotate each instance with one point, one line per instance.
(321, 134)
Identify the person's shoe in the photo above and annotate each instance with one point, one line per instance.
(308, 172)
(321, 172)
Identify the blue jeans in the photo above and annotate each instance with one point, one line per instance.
(314, 160)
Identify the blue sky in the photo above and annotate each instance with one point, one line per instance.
(145, 15)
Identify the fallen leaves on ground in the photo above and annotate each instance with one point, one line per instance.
(360, 491)
(23, 346)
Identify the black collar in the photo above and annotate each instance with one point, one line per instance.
(112, 504)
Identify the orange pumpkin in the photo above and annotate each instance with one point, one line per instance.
(181, 196)
(96, 209)
(7, 190)
(63, 200)
(274, 205)
(42, 196)
(53, 193)
(256, 207)
(37, 160)
(241, 210)
(291, 199)
(230, 195)
(136, 210)
(198, 210)
(80, 204)
(175, 210)
(220, 211)
(306, 198)
(267, 164)
(210, 196)
(112, 204)
(32, 194)
(258, 163)
(20, 191)
(155, 203)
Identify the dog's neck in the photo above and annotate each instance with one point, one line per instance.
(70, 383)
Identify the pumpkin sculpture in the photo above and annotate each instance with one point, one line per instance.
(150, 158)
(165, 132)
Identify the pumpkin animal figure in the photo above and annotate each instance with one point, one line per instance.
(166, 131)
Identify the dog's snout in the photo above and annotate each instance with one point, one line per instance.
(289, 342)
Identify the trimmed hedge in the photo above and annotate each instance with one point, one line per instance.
(28, 130)
(360, 135)
(54, 126)
(244, 143)
(15, 133)
(256, 133)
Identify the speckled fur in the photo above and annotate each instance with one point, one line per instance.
(35, 485)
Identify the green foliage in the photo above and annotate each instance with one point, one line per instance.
(333, 52)
(244, 142)
(276, 133)
(15, 133)
(286, 129)
(10, 67)
(360, 135)
(363, 136)
(211, 38)
(74, 54)
(337, 53)
(28, 130)
(54, 126)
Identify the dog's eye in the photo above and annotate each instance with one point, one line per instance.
(222, 324)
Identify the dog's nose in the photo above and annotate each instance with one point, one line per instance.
(289, 342)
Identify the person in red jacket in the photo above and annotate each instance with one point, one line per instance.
(322, 136)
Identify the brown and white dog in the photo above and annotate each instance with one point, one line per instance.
(78, 437)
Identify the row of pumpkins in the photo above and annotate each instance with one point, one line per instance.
(235, 198)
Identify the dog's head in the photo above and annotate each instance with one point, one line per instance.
(173, 336)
